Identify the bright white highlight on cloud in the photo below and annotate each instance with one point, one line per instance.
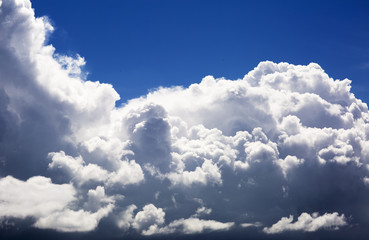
(149, 216)
(37, 196)
(215, 156)
(74, 221)
(308, 223)
(289, 162)
(189, 226)
(76, 168)
(255, 224)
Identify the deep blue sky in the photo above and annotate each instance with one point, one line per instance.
(140, 45)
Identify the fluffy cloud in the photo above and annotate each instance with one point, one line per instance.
(149, 216)
(49, 203)
(308, 223)
(127, 173)
(37, 197)
(218, 155)
(126, 218)
(97, 198)
(73, 221)
(208, 172)
(76, 168)
(289, 162)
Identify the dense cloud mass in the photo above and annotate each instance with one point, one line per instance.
(221, 155)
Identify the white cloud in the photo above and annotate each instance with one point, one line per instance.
(308, 223)
(97, 198)
(190, 226)
(340, 152)
(207, 173)
(149, 216)
(37, 197)
(74, 221)
(112, 149)
(76, 168)
(127, 173)
(255, 224)
(258, 151)
(126, 217)
(288, 163)
(291, 124)
(48, 203)
(202, 211)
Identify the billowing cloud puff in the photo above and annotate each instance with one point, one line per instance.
(76, 168)
(73, 221)
(219, 155)
(308, 223)
(149, 216)
(37, 197)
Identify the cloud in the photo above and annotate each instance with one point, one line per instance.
(255, 224)
(73, 221)
(308, 223)
(49, 204)
(37, 197)
(149, 216)
(288, 163)
(97, 198)
(189, 226)
(202, 211)
(126, 218)
(219, 155)
(208, 172)
(76, 168)
(127, 173)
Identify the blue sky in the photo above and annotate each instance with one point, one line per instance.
(140, 45)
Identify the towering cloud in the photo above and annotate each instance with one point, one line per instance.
(219, 155)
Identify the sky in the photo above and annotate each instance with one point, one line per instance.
(140, 45)
(184, 120)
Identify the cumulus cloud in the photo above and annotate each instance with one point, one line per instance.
(73, 221)
(126, 218)
(308, 223)
(37, 197)
(289, 162)
(208, 172)
(127, 173)
(76, 168)
(215, 156)
(97, 198)
(149, 216)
